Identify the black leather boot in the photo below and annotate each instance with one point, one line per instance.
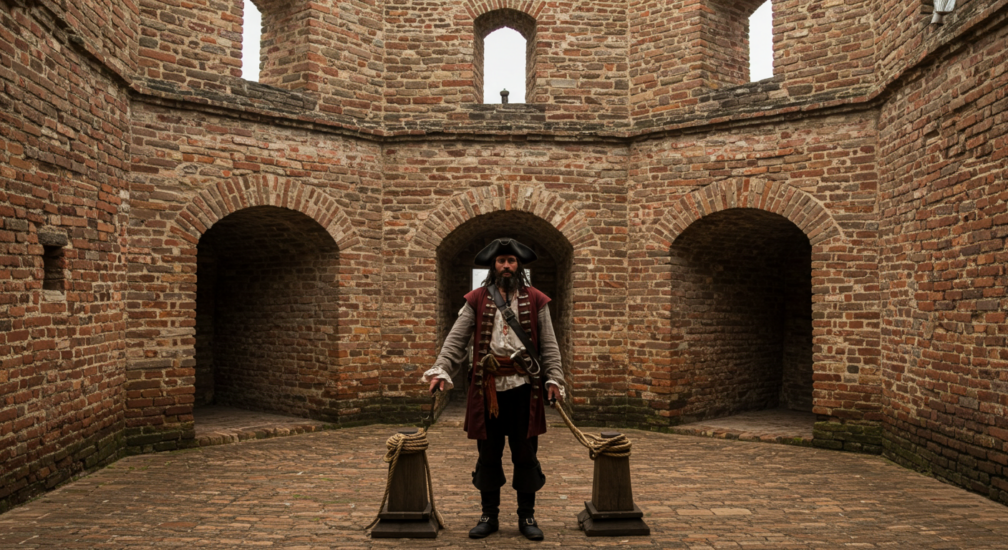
(530, 528)
(486, 526)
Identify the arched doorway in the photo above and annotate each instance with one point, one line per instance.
(551, 273)
(742, 314)
(267, 313)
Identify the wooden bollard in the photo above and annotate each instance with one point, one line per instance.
(611, 512)
(408, 512)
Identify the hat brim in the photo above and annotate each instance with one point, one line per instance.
(504, 247)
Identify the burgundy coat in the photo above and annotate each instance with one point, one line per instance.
(528, 315)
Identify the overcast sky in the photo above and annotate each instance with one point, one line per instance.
(504, 52)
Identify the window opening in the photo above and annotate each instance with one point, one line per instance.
(504, 66)
(52, 264)
(761, 43)
(479, 275)
(251, 40)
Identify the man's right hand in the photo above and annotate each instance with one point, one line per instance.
(436, 383)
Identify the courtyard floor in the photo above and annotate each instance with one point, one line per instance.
(321, 488)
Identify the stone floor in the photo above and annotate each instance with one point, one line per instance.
(319, 490)
(772, 425)
(217, 425)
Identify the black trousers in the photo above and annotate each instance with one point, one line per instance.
(512, 424)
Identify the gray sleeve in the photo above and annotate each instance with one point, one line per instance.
(456, 346)
(549, 350)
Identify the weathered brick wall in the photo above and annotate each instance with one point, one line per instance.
(661, 55)
(191, 44)
(824, 47)
(943, 201)
(733, 314)
(579, 58)
(818, 173)
(274, 313)
(64, 133)
(906, 35)
(332, 50)
(191, 170)
(689, 59)
(112, 27)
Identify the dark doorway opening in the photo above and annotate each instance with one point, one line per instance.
(741, 315)
(551, 273)
(267, 314)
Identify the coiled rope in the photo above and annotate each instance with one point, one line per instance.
(400, 444)
(616, 447)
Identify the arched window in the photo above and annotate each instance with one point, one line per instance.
(487, 69)
(502, 68)
(761, 43)
(251, 40)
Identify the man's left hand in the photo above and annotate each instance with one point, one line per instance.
(553, 392)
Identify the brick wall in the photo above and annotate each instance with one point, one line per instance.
(273, 321)
(191, 171)
(63, 147)
(733, 315)
(943, 201)
(820, 174)
(332, 50)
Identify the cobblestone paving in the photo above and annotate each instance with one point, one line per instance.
(318, 490)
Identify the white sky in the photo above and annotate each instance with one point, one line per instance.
(504, 66)
(251, 38)
(504, 54)
(761, 43)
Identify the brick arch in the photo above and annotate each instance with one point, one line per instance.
(801, 208)
(477, 8)
(457, 210)
(214, 203)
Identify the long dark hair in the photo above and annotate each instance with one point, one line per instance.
(521, 280)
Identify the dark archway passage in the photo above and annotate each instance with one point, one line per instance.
(741, 315)
(267, 313)
(551, 273)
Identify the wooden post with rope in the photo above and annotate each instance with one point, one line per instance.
(611, 512)
(407, 509)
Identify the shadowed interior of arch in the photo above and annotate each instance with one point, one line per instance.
(551, 273)
(267, 313)
(741, 315)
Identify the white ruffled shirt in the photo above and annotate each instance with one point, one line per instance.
(455, 350)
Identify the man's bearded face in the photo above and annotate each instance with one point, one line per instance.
(505, 272)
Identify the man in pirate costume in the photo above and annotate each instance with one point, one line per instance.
(511, 368)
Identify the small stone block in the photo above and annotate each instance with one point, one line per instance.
(612, 527)
(390, 529)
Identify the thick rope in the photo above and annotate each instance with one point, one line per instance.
(616, 447)
(400, 444)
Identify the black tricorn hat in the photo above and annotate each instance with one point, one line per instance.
(500, 247)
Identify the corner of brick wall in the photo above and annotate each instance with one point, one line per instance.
(848, 436)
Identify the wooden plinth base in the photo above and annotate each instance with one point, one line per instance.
(405, 525)
(612, 523)
(405, 529)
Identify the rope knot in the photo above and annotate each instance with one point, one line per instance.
(615, 447)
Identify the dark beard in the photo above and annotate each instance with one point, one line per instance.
(507, 284)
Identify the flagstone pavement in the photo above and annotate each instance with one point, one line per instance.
(319, 490)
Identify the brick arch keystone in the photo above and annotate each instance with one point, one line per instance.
(477, 8)
(801, 208)
(238, 193)
(455, 211)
